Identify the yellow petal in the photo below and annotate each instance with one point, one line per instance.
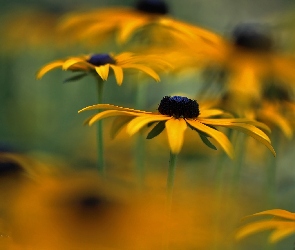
(48, 67)
(257, 227)
(210, 112)
(103, 71)
(275, 212)
(175, 132)
(109, 106)
(137, 123)
(254, 132)
(70, 62)
(118, 74)
(127, 28)
(279, 121)
(282, 233)
(143, 68)
(216, 135)
(105, 114)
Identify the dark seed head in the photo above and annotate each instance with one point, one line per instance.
(101, 59)
(179, 107)
(274, 92)
(152, 6)
(253, 37)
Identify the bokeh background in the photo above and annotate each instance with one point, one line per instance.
(39, 117)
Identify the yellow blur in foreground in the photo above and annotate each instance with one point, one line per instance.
(79, 210)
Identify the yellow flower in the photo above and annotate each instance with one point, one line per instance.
(101, 63)
(176, 114)
(148, 15)
(250, 62)
(282, 222)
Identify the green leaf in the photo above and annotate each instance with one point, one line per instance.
(206, 141)
(204, 137)
(75, 78)
(156, 130)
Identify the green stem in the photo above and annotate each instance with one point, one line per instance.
(171, 175)
(170, 185)
(99, 130)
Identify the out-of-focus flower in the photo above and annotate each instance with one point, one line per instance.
(276, 108)
(282, 223)
(99, 64)
(24, 28)
(250, 61)
(176, 114)
(149, 17)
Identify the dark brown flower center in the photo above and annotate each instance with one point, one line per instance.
(179, 107)
(101, 59)
(253, 37)
(152, 6)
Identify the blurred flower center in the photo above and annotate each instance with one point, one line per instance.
(274, 92)
(101, 59)
(252, 37)
(179, 107)
(152, 6)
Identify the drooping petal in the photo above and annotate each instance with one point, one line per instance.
(279, 121)
(144, 69)
(103, 71)
(118, 74)
(251, 130)
(137, 123)
(281, 233)
(175, 131)
(216, 135)
(71, 61)
(227, 121)
(127, 28)
(114, 107)
(275, 212)
(258, 227)
(105, 114)
(48, 67)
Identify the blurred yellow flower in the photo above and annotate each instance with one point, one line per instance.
(101, 63)
(149, 16)
(176, 114)
(282, 223)
(28, 28)
(250, 61)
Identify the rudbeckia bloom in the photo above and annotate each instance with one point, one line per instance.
(282, 223)
(99, 64)
(149, 16)
(250, 61)
(176, 114)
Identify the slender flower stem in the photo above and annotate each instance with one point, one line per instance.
(99, 130)
(171, 175)
(170, 184)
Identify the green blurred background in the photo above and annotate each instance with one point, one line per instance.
(41, 115)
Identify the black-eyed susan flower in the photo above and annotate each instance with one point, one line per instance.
(176, 114)
(100, 65)
(250, 61)
(282, 223)
(151, 17)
